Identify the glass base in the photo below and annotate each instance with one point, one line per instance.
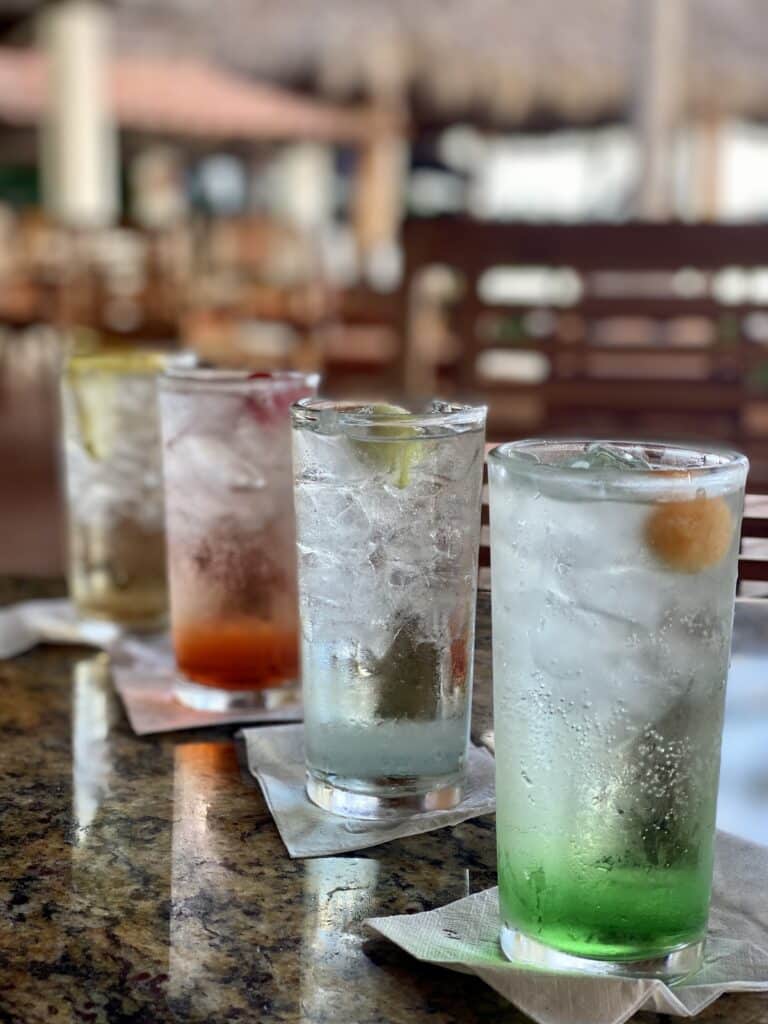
(151, 623)
(678, 963)
(380, 806)
(211, 698)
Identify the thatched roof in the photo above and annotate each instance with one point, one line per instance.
(188, 98)
(516, 59)
(513, 60)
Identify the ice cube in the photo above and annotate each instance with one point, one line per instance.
(215, 463)
(319, 457)
(600, 455)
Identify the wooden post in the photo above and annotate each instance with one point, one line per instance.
(79, 137)
(707, 166)
(378, 202)
(659, 101)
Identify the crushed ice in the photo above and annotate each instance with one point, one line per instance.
(599, 455)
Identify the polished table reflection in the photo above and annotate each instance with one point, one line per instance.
(143, 879)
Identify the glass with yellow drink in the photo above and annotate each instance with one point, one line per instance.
(111, 436)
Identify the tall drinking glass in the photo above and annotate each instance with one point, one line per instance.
(114, 487)
(613, 573)
(388, 518)
(231, 534)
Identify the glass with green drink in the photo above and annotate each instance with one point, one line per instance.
(613, 571)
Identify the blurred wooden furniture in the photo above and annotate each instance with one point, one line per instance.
(362, 345)
(753, 562)
(631, 329)
(31, 530)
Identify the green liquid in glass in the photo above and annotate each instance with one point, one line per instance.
(608, 912)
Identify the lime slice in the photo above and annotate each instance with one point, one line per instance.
(392, 457)
(92, 400)
(93, 380)
(106, 362)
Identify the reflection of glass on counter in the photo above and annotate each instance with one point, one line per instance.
(337, 892)
(94, 711)
(206, 885)
(119, 844)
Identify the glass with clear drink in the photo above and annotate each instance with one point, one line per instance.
(388, 523)
(231, 534)
(613, 572)
(114, 492)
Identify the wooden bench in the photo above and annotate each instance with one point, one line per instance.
(638, 329)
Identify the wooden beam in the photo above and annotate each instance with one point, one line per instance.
(659, 101)
(707, 166)
(79, 134)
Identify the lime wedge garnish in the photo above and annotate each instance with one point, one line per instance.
(92, 400)
(107, 362)
(393, 457)
(93, 380)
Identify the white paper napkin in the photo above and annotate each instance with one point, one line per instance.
(24, 625)
(463, 936)
(145, 675)
(149, 701)
(276, 758)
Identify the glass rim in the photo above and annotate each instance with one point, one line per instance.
(135, 362)
(196, 378)
(676, 475)
(357, 414)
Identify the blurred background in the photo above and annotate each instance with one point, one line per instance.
(558, 208)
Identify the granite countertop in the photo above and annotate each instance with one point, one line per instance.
(143, 880)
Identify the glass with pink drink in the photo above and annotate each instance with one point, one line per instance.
(230, 533)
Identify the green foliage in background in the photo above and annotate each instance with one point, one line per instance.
(757, 378)
(20, 186)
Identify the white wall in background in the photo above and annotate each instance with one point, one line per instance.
(592, 175)
(743, 192)
(560, 176)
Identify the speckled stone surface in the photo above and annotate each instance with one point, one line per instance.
(143, 880)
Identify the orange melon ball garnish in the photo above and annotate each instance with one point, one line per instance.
(690, 535)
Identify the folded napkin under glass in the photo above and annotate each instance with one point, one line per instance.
(143, 667)
(276, 758)
(464, 936)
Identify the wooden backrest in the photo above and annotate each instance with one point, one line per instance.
(753, 561)
(636, 329)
